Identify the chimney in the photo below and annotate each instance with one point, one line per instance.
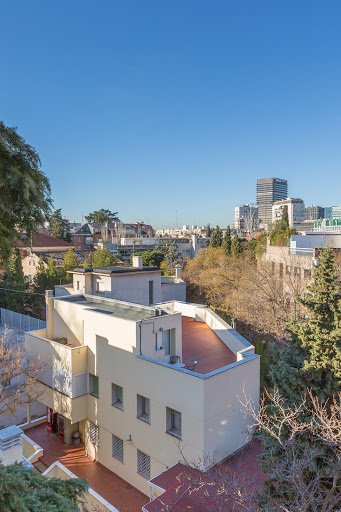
(178, 271)
(137, 262)
(49, 313)
(10, 445)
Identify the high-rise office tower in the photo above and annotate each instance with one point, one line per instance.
(269, 190)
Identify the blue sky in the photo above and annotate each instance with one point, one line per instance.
(167, 109)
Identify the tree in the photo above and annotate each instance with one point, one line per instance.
(151, 258)
(46, 278)
(208, 231)
(313, 357)
(217, 238)
(236, 248)
(172, 257)
(14, 281)
(285, 215)
(24, 490)
(226, 243)
(101, 216)
(301, 452)
(58, 226)
(19, 370)
(70, 261)
(25, 194)
(101, 257)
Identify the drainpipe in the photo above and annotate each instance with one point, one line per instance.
(140, 326)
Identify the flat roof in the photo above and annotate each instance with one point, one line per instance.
(113, 307)
(201, 344)
(114, 270)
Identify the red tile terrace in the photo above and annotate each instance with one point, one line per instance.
(111, 487)
(200, 343)
(185, 488)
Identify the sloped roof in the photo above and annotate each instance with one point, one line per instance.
(42, 240)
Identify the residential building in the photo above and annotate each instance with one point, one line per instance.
(314, 212)
(296, 211)
(269, 190)
(139, 383)
(246, 218)
(332, 212)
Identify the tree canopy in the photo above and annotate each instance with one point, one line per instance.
(58, 226)
(100, 216)
(216, 238)
(172, 257)
(25, 194)
(26, 490)
(101, 257)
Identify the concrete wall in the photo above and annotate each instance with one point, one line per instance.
(173, 291)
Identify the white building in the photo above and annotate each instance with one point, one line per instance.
(296, 211)
(332, 212)
(141, 382)
(246, 218)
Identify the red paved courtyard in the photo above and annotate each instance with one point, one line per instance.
(199, 342)
(111, 487)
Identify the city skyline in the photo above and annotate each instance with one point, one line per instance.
(169, 113)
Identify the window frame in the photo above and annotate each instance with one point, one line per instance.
(143, 461)
(93, 433)
(171, 429)
(116, 401)
(141, 408)
(92, 379)
(117, 448)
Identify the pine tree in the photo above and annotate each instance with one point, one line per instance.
(314, 358)
(217, 238)
(208, 231)
(285, 215)
(26, 490)
(235, 246)
(58, 226)
(172, 257)
(226, 244)
(14, 298)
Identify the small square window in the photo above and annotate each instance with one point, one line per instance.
(93, 385)
(143, 410)
(79, 285)
(100, 287)
(117, 448)
(117, 396)
(173, 422)
(143, 464)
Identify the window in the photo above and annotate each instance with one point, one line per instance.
(79, 247)
(30, 262)
(173, 422)
(94, 433)
(100, 287)
(297, 271)
(117, 396)
(143, 408)
(29, 278)
(79, 239)
(273, 266)
(288, 269)
(79, 285)
(307, 273)
(151, 292)
(33, 263)
(117, 448)
(281, 269)
(166, 341)
(93, 385)
(143, 464)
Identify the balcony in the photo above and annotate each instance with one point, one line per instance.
(64, 378)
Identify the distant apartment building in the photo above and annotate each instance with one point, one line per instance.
(246, 218)
(269, 190)
(332, 212)
(314, 212)
(139, 376)
(296, 211)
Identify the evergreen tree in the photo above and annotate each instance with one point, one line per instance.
(226, 244)
(236, 248)
(101, 216)
(172, 257)
(26, 490)
(285, 215)
(13, 279)
(314, 358)
(70, 261)
(58, 226)
(217, 238)
(46, 278)
(208, 231)
(103, 258)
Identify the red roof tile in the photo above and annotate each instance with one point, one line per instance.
(42, 240)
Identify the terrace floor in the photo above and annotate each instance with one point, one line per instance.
(200, 343)
(111, 487)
